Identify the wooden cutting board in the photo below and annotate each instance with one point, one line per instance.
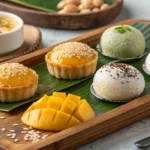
(85, 132)
(63, 21)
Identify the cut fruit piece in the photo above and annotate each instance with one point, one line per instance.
(73, 121)
(25, 118)
(41, 103)
(61, 120)
(84, 112)
(55, 113)
(34, 117)
(30, 108)
(68, 106)
(54, 102)
(59, 94)
(74, 98)
(47, 118)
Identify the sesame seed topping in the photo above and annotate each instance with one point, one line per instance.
(23, 132)
(44, 136)
(16, 140)
(13, 136)
(2, 117)
(9, 134)
(29, 134)
(12, 69)
(26, 129)
(3, 129)
(12, 130)
(15, 124)
(70, 49)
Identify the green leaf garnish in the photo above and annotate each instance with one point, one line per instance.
(123, 29)
(108, 2)
(127, 28)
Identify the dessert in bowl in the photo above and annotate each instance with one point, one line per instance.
(17, 82)
(118, 82)
(122, 42)
(72, 60)
(11, 32)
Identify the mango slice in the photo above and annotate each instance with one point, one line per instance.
(42, 102)
(84, 111)
(68, 106)
(57, 112)
(60, 94)
(54, 102)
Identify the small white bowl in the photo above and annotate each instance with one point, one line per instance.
(11, 40)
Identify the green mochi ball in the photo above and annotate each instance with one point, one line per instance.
(122, 41)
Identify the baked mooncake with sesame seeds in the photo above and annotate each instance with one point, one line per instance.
(118, 82)
(71, 60)
(17, 82)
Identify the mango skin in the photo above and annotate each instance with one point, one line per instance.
(57, 112)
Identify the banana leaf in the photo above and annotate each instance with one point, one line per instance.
(100, 106)
(47, 84)
(45, 5)
(82, 87)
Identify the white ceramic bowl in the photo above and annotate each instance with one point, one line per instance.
(13, 39)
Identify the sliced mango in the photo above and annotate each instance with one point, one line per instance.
(73, 121)
(54, 102)
(60, 94)
(74, 98)
(34, 116)
(41, 103)
(30, 108)
(68, 106)
(84, 111)
(61, 120)
(25, 118)
(47, 118)
(57, 112)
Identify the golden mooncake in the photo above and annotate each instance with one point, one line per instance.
(17, 82)
(71, 60)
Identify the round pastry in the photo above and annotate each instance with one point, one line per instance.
(147, 63)
(17, 82)
(122, 41)
(72, 60)
(118, 82)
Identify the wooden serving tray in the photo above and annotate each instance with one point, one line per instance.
(85, 132)
(63, 21)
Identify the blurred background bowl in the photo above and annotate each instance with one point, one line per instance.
(64, 21)
(13, 39)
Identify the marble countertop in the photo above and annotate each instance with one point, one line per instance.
(122, 139)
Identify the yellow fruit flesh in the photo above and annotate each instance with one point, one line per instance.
(41, 103)
(84, 111)
(34, 116)
(68, 107)
(47, 118)
(59, 94)
(74, 98)
(54, 102)
(73, 121)
(57, 113)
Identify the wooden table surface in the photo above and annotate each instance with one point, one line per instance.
(124, 138)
